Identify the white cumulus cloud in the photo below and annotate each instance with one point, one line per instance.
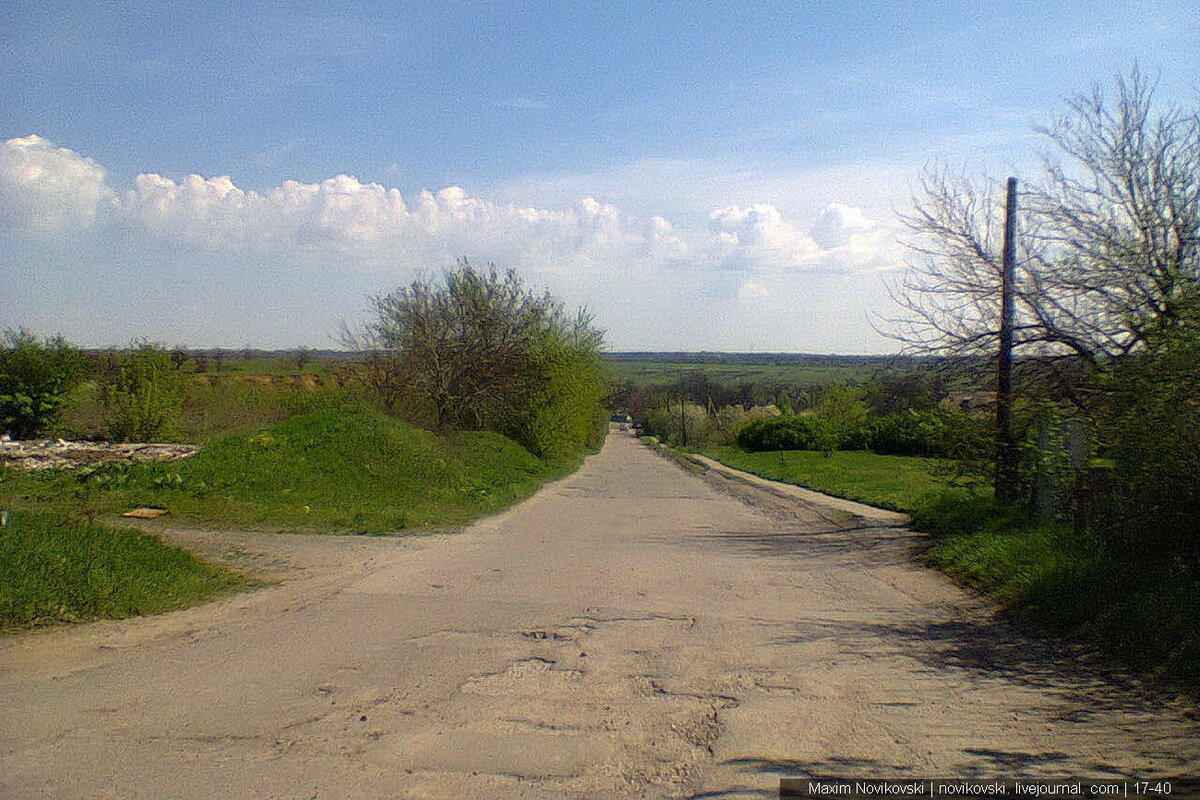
(759, 236)
(839, 224)
(47, 188)
(752, 291)
(842, 239)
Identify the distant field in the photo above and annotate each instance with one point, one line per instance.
(733, 369)
(248, 361)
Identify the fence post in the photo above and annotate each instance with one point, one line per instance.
(1045, 501)
(1077, 448)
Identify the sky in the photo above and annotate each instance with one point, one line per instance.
(720, 176)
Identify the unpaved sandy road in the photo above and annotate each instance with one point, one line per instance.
(630, 631)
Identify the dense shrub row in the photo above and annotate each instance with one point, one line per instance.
(780, 433)
(905, 434)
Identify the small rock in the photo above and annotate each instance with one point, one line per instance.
(146, 512)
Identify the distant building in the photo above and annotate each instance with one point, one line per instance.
(972, 402)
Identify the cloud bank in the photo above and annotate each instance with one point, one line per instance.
(204, 261)
(54, 191)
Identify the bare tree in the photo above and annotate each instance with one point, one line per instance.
(951, 292)
(1120, 221)
(1108, 245)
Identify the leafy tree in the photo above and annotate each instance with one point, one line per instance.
(482, 351)
(142, 395)
(842, 414)
(560, 405)
(36, 379)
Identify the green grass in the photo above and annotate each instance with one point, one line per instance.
(344, 469)
(896, 482)
(335, 469)
(53, 570)
(1144, 612)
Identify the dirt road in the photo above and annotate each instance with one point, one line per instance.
(630, 631)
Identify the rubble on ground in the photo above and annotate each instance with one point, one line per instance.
(47, 453)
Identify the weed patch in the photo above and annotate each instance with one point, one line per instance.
(53, 570)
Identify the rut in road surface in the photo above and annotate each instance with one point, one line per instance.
(633, 630)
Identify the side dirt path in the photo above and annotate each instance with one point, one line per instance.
(633, 630)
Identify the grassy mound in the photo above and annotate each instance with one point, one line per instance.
(346, 469)
(52, 570)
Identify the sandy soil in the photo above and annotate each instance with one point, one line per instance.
(635, 630)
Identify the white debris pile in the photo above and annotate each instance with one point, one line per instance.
(46, 453)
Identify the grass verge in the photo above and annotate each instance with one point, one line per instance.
(346, 469)
(1144, 612)
(898, 483)
(53, 570)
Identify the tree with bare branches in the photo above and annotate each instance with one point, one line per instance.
(1120, 229)
(1109, 245)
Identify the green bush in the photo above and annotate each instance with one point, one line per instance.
(560, 415)
(1150, 429)
(908, 434)
(36, 378)
(780, 433)
(142, 395)
(482, 351)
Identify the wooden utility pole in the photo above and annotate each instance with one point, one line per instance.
(682, 420)
(1006, 449)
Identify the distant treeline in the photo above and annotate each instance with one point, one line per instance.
(232, 353)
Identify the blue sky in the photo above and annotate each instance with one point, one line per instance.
(702, 176)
